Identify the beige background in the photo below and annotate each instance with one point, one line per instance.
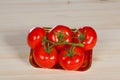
(17, 17)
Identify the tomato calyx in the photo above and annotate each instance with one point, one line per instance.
(47, 48)
(70, 52)
(46, 44)
(81, 36)
(60, 36)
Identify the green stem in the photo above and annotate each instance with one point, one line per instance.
(70, 53)
(73, 44)
(47, 48)
(69, 43)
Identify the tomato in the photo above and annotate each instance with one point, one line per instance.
(60, 34)
(44, 58)
(35, 37)
(87, 36)
(87, 60)
(71, 60)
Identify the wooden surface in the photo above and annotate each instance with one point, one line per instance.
(17, 17)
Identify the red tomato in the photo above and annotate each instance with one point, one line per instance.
(71, 61)
(87, 61)
(35, 37)
(60, 34)
(45, 59)
(87, 36)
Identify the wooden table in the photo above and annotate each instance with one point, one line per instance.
(17, 17)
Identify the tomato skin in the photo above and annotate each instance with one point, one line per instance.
(87, 61)
(90, 37)
(66, 31)
(35, 37)
(45, 59)
(71, 63)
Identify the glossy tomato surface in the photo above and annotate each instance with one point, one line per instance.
(73, 62)
(60, 34)
(35, 37)
(45, 59)
(87, 61)
(86, 35)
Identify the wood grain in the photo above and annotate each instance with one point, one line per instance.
(17, 17)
